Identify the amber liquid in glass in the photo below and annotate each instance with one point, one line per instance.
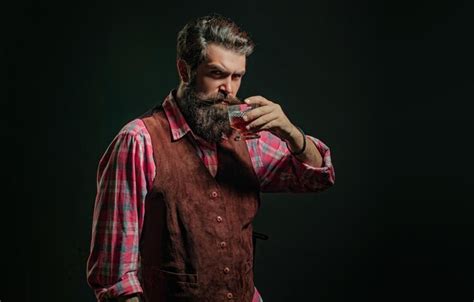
(236, 120)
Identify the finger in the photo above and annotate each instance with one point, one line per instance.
(270, 125)
(257, 100)
(257, 112)
(261, 121)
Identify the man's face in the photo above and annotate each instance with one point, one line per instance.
(222, 72)
(214, 85)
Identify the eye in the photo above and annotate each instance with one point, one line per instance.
(216, 72)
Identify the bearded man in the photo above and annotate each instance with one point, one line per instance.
(177, 191)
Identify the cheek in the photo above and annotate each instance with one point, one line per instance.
(236, 86)
(207, 85)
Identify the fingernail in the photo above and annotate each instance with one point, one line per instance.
(247, 101)
(245, 118)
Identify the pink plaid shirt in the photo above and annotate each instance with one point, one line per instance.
(125, 175)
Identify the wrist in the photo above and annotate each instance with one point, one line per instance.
(291, 135)
(297, 143)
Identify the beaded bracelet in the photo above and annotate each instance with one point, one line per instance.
(304, 143)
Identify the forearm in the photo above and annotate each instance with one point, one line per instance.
(279, 171)
(296, 141)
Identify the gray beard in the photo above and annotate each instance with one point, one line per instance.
(206, 116)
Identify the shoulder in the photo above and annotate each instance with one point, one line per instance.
(132, 135)
(134, 128)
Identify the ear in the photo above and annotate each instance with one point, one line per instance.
(183, 71)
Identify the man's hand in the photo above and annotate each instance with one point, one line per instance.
(269, 116)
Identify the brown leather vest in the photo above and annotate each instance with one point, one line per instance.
(196, 243)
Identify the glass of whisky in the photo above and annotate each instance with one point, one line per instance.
(236, 114)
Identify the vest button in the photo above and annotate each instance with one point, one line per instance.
(223, 244)
(214, 194)
(226, 270)
(219, 219)
(230, 296)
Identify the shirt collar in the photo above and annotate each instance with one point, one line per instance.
(178, 125)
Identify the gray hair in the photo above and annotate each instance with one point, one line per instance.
(197, 34)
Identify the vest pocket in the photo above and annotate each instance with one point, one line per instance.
(161, 285)
(177, 277)
(179, 287)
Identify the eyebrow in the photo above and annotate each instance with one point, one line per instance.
(221, 69)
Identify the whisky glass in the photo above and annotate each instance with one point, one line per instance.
(236, 120)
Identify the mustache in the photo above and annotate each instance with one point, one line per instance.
(219, 98)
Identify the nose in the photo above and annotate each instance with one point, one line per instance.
(226, 87)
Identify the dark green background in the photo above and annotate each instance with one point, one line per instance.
(386, 84)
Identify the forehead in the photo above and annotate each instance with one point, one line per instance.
(224, 58)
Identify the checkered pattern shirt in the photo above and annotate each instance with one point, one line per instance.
(125, 176)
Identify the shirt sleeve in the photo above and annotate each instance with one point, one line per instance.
(279, 171)
(124, 176)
